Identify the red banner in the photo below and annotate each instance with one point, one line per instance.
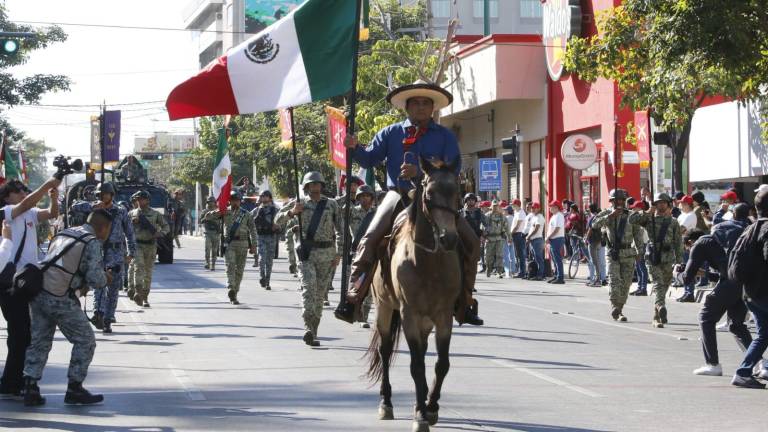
(337, 132)
(286, 133)
(643, 137)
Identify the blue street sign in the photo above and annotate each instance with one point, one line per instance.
(489, 175)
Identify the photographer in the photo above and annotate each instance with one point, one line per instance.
(21, 214)
(78, 257)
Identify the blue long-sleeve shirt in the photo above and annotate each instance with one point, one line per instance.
(437, 143)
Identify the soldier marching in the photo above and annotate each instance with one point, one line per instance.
(239, 239)
(210, 219)
(495, 238)
(148, 226)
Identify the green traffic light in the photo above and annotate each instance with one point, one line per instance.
(10, 46)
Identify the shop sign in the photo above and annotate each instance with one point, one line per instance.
(562, 20)
(579, 152)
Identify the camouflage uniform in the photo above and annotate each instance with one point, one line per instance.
(211, 221)
(238, 244)
(114, 258)
(495, 237)
(264, 219)
(317, 271)
(669, 251)
(146, 250)
(49, 311)
(356, 216)
(621, 254)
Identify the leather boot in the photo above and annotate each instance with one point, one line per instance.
(663, 314)
(98, 320)
(656, 319)
(32, 395)
(77, 395)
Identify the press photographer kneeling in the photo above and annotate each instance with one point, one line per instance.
(74, 262)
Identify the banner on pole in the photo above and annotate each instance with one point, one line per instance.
(95, 144)
(643, 138)
(286, 133)
(112, 136)
(337, 132)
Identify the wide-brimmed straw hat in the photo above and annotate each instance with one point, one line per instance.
(440, 96)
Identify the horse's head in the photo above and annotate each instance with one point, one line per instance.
(439, 200)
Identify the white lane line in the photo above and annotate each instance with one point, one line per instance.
(548, 378)
(193, 393)
(606, 302)
(596, 321)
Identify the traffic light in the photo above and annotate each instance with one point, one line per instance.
(9, 47)
(662, 138)
(152, 156)
(513, 144)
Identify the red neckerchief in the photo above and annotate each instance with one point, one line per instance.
(414, 134)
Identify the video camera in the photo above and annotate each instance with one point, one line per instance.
(64, 167)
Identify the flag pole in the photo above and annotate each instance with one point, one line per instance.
(350, 130)
(295, 171)
(102, 127)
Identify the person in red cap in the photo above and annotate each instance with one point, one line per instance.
(536, 239)
(517, 229)
(556, 239)
(728, 200)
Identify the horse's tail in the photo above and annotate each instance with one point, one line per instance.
(375, 362)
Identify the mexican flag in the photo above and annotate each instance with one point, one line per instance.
(305, 57)
(222, 172)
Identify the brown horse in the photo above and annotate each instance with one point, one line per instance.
(416, 288)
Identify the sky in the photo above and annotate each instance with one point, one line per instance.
(116, 66)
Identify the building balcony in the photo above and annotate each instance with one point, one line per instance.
(197, 12)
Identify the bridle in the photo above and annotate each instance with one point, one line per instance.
(427, 206)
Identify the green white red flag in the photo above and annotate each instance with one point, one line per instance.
(222, 172)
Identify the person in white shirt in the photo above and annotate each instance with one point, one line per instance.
(22, 216)
(556, 239)
(6, 246)
(687, 218)
(510, 262)
(517, 229)
(536, 239)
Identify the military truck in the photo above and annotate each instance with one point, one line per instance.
(128, 177)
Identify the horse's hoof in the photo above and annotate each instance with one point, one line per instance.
(431, 417)
(420, 426)
(386, 413)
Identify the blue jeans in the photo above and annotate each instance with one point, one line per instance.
(577, 244)
(510, 261)
(538, 255)
(642, 275)
(556, 250)
(690, 288)
(521, 253)
(759, 309)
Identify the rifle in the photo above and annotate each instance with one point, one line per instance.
(144, 223)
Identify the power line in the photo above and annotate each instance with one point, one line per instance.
(95, 105)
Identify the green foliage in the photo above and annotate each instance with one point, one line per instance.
(671, 55)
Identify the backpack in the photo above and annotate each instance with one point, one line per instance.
(745, 261)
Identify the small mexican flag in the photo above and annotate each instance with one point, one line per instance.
(222, 172)
(307, 56)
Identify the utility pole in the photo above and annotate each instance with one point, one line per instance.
(486, 17)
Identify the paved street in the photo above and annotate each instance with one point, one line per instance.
(548, 359)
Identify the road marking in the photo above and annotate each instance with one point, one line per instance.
(193, 393)
(596, 321)
(605, 302)
(547, 378)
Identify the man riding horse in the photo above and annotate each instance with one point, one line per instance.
(401, 145)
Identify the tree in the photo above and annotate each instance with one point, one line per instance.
(670, 56)
(35, 152)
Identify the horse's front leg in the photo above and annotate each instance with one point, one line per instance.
(417, 344)
(443, 329)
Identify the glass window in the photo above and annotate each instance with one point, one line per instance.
(230, 16)
(530, 8)
(478, 8)
(441, 8)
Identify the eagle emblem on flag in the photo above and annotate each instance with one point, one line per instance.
(262, 50)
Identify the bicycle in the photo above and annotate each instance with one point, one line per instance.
(576, 257)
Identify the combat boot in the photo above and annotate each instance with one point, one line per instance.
(663, 314)
(231, 295)
(107, 327)
(77, 395)
(656, 319)
(292, 269)
(310, 340)
(207, 266)
(131, 293)
(615, 313)
(32, 395)
(138, 300)
(98, 320)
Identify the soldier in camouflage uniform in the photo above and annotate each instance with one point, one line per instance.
(267, 231)
(131, 288)
(239, 238)
(341, 201)
(324, 256)
(360, 218)
(665, 249)
(115, 258)
(211, 222)
(79, 257)
(495, 227)
(621, 231)
(148, 226)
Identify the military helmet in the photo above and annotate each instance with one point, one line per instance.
(495, 203)
(470, 196)
(661, 196)
(105, 188)
(619, 194)
(140, 194)
(234, 194)
(364, 189)
(312, 177)
(210, 199)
